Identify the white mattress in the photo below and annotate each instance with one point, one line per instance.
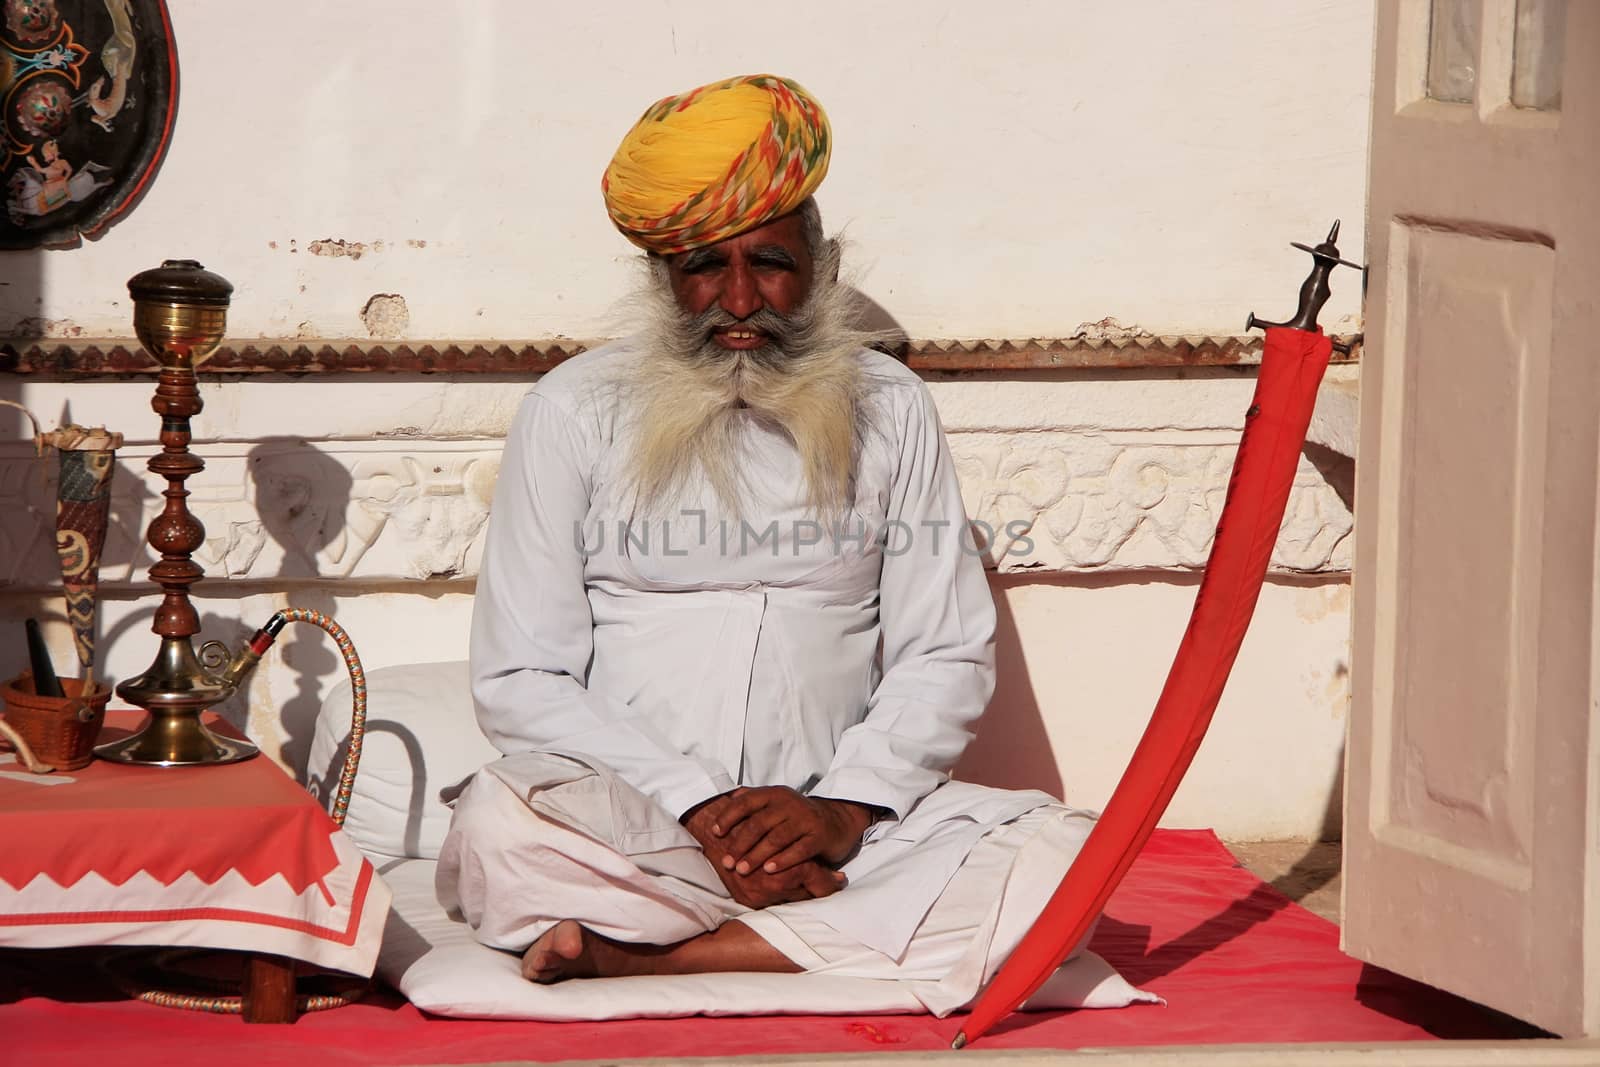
(434, 961)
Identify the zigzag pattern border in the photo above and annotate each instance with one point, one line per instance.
(50, 358)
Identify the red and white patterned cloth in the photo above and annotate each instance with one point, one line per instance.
(235, 856)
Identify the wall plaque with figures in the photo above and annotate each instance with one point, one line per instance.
(90, 94)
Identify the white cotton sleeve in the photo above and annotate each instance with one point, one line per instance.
(937, 619)
(532, 631)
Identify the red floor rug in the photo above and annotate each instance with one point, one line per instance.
(1236, 961)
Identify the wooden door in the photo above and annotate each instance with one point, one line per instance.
(1472, 847)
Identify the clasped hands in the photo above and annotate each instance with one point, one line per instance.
(773, 845)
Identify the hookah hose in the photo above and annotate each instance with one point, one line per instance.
(257, 646)
(1258, 492)
(263, 639)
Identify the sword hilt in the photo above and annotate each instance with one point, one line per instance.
(1314, 291)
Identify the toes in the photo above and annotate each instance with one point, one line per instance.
(548, 976)
(537, 962)
(557, 954)
(566, 940)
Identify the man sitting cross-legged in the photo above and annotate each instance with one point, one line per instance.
(731, 630)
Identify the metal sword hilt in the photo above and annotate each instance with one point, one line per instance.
(1314, 291)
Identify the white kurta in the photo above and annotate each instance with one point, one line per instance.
(695, 652)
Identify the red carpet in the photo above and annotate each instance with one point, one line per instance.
(1236, 961)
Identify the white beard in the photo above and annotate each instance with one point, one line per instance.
(692, 396)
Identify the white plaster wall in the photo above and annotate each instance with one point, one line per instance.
(1007, 170)
(374, 510)
(1003, 169)
(1082, 659)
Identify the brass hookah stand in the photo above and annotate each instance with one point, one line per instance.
(180, 313)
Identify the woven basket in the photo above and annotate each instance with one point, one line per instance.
(61, 731)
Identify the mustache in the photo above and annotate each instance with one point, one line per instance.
(782, 331)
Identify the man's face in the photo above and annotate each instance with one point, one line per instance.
(766, 269)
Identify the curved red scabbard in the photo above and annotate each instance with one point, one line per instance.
(1269, 452)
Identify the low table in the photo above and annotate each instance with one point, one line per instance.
(235, 856)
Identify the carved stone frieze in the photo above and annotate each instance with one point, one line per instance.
(277, 510)
(1110, 502)
(385, 510)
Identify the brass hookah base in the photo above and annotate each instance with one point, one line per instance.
(175, 689)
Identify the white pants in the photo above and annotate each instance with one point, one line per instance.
(514, 867)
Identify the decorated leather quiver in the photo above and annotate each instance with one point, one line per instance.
(83, 512)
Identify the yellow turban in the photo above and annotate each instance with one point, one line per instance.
(715, 162)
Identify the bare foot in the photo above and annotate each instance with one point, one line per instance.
(560, 952)
(570, 950)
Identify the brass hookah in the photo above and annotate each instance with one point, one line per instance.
(180, 314)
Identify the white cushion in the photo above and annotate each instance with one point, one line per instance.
(422, 735)
(434, 961)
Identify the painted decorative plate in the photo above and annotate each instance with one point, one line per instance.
(90, 94)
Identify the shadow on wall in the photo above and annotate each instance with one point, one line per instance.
(302, 497)
(21, 300)
(21, 297)
(1338, 470)
(888, 335)
(1012, 749)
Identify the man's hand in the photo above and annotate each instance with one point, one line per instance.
(759, 889)
(772, 828)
